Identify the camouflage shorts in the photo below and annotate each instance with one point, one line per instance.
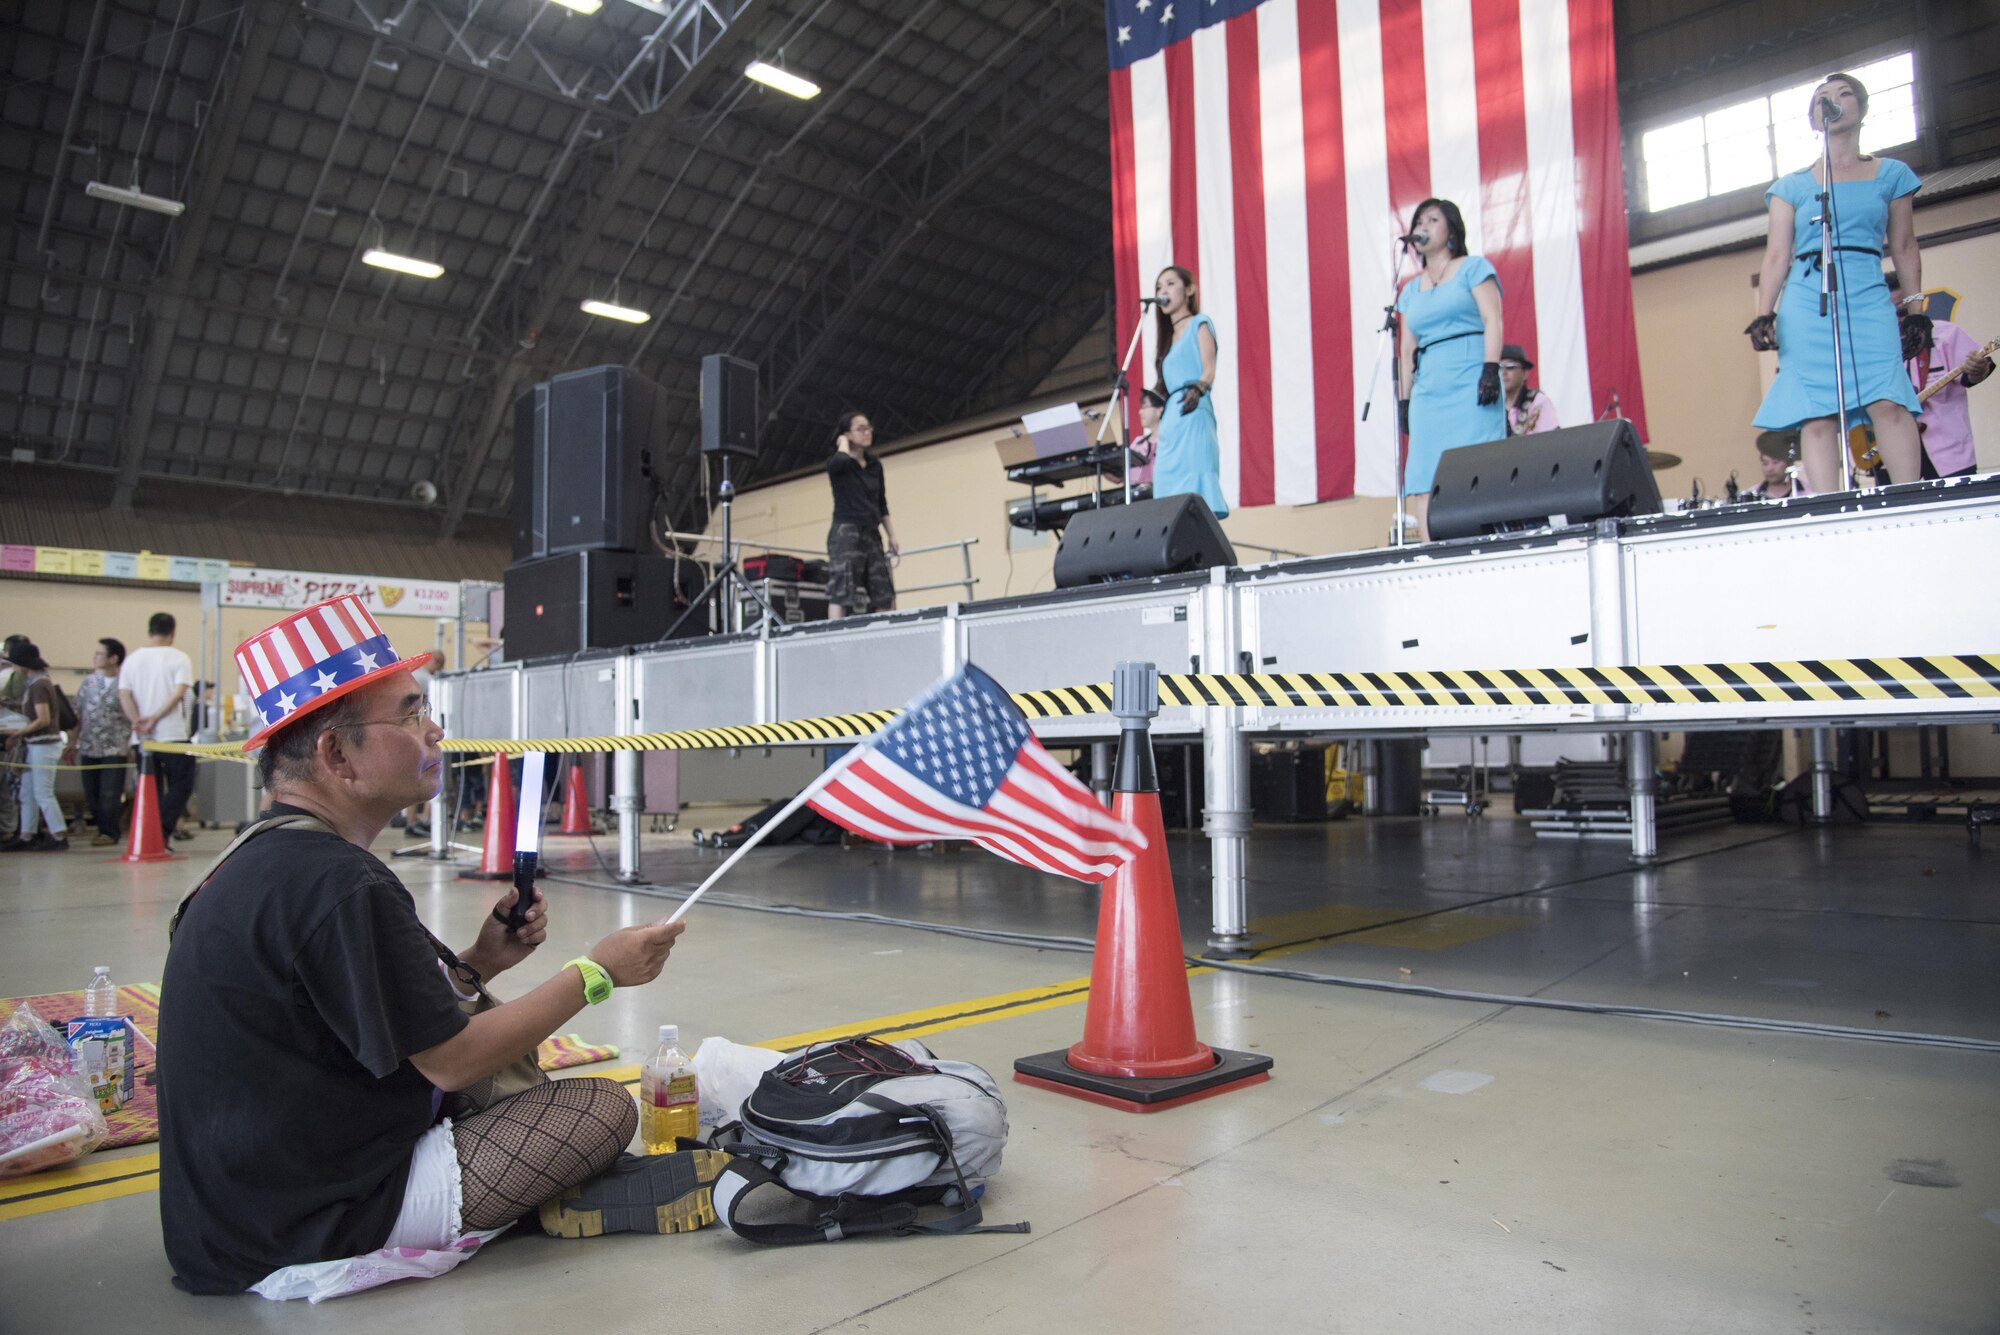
(857, 570)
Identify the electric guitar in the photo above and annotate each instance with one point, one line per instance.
(1861, 436)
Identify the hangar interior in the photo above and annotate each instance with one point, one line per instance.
(1708, 1044)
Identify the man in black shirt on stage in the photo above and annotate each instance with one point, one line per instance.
(857, 576)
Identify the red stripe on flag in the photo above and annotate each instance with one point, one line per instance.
(1409, 129)
(1125, 229)
(853, 790)
(1503, 164)
(1326, 232)
(1256, 482)
(1183, 187)
(1600, 180)
(863, 773)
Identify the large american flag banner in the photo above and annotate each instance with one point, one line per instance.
(1277, 148)
(962, 763)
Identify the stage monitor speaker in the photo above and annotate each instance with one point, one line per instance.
(595, 600)
(1551, 479)
(1168, 535)
(529, 502)
(594, 458)
(728, 405)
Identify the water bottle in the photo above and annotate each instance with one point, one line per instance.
(101, 997)
(669, 1102)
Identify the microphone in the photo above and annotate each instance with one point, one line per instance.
(1829, 110)
(1149, 301)
(1415, 238)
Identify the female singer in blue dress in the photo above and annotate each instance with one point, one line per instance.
(1872, 210)
(1190, 455)
(1448, 352)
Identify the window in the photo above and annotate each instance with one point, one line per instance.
(1754, 142)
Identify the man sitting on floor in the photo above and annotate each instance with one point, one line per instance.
(311, 1030)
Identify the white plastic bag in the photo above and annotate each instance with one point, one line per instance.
(725, 1073)
(320, 1280)
(48, 1115)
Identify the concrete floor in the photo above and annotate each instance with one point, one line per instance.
(1414, 1164)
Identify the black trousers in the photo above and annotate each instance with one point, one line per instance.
(175, 777)
(103, 790)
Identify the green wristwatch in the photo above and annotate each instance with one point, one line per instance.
(596, 982)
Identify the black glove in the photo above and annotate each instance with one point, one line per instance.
(1403, 416)
(1191, 397)
(1916, 330)
(1763, 333)
(1489, 384)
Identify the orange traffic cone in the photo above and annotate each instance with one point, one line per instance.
(1139, 1051)
(148, 843)
(496, 857)
(576, 803)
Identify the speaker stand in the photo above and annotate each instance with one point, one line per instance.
(728, 579)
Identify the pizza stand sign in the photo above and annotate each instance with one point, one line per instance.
(289, 590)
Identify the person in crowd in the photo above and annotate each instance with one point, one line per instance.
(1529, 410)
(1448, 351)
(1872, 212)
(39, 744)
(857, 575)
(1140, 453)
(103, 733)
(13, 685)
(1781, 480)
(317, 1027)
(1189, 457)
(153, 687)
(1943, 359)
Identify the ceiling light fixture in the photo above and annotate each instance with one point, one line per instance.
(132, 197)
(611, 312)
(384, 259)
(582, 6)
(782, 80)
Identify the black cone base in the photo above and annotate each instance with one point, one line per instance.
(1052, 1071)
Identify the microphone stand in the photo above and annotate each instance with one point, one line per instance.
(1829, 293)
(1118, 388)
(1382, 348)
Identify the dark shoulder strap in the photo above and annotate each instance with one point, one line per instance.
(248, 833)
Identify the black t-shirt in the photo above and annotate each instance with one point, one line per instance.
(859, 496)
(298, 984)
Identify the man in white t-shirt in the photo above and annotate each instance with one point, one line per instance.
(153, 687)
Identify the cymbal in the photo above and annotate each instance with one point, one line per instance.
(1660, 459)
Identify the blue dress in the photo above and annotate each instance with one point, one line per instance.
(1872, 346)
(1445, 411)
(1190, 455)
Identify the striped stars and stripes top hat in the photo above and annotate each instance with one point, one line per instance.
(312, 658)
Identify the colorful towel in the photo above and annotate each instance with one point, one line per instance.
(138, 1122)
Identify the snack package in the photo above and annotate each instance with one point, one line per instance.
(104, 1048)
(48, 1115)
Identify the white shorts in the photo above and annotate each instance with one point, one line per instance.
(428, 1238)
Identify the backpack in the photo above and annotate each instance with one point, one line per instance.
(864, 1132)
(66, 720)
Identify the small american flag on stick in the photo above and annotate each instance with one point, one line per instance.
(962, 763)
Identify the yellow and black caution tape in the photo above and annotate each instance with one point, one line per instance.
(1835, 681)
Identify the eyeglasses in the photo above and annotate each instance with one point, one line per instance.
(1512, 366)
(420, 716)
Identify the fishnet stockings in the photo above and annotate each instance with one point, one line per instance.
(534, 1146)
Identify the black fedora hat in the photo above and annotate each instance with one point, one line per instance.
(1512, 353)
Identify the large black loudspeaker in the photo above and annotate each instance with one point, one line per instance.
(595, 600)
(1164, 536)
(1553, 478)
(728, 405)
(593, 458)
(529, 503)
